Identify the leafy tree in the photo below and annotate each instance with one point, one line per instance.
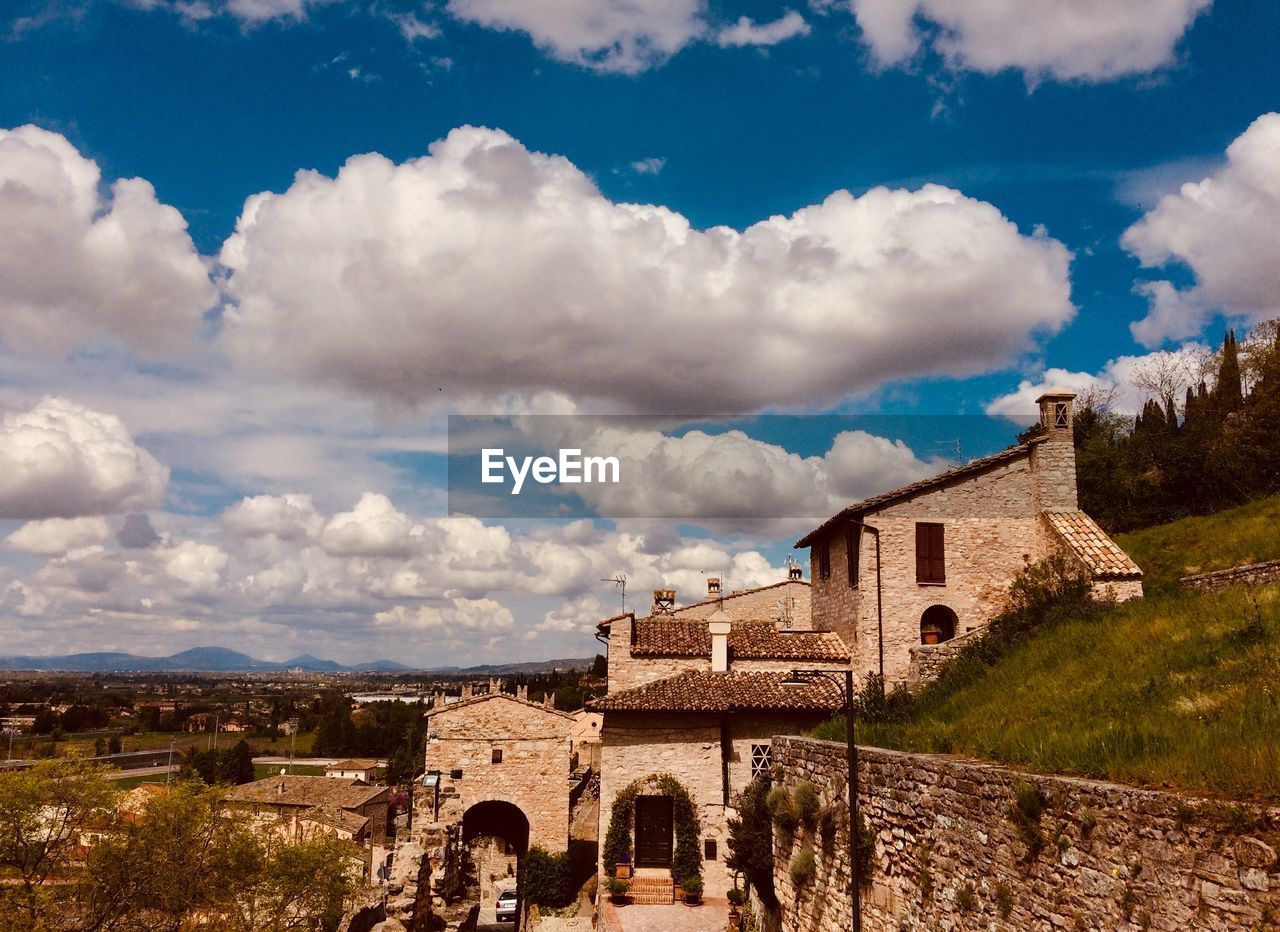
(42, 812)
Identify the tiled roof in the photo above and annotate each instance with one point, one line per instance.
(724, 692)
(1100, 554)
(337, 818)
(353, 763)
(486, 697)
(753, 640)
(924, 485)
(293, 790)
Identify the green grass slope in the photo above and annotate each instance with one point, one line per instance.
(1177, 689)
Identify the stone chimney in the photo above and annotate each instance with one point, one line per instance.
(1054, 459)
(719, 626)
(664, 601)
(713, 587)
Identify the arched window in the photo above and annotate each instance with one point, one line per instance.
(937, 624)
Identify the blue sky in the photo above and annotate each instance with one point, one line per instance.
(274, 400)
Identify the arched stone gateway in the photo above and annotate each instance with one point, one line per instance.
(497, 819)
(496, 757)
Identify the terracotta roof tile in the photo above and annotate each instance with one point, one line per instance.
(1101, 555)
(723, 692)
(337, 818)
(294, 790)
(924, 485)
(752, 640)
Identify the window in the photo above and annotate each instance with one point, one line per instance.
(709, 852)
(852, 539)
(824, 560)
(497, 755)
(761, 760)
(1061, 417)
(930, 561)
(455, 774)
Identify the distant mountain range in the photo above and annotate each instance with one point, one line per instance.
(223, 660)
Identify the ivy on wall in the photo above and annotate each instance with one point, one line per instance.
(618, 845)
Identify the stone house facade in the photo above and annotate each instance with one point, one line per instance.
(297, 807)
(933, 560)
(499, 765)
(698, 695)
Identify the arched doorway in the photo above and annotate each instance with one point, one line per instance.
(937, 624)
(495, 836)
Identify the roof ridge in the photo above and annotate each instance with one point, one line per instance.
(922, 485)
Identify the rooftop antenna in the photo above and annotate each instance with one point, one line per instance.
(620, 583)
(955, 443)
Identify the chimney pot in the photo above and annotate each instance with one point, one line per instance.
(795, 571)
(713, 586)
(664, 601)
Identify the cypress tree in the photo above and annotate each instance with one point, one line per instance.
(1227, 391)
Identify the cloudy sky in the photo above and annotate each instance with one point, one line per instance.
(254, 252)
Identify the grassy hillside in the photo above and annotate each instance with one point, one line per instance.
(1179, 689)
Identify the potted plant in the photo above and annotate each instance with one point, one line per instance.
(692, 887)
(736, 898)
(623, 867)
(619, 887)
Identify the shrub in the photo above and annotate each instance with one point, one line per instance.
(783, 813)
(736, 897)
(692, 885)
(1004, 900)
(1088, 822)
(805, 802)
(804, 867)
(1028, 806)
(545, 878)
(751, 839)
(964, 898)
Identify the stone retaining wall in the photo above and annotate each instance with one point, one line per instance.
(927, 660)
(955, 849)
(1256, 574)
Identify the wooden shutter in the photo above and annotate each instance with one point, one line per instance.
(852, 542)
(931, 565)
(824, 559)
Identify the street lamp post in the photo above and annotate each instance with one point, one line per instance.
(843, 679)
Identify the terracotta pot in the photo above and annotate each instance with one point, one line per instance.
(931, 637)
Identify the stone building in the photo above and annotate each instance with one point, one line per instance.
(296, 807)
(697, 694)
(915, 567)
(499, 765)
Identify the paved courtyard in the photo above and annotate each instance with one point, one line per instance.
(709, 917)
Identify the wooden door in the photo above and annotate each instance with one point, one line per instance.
(654, 824)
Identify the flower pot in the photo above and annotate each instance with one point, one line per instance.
(693, 899)
(931, 636)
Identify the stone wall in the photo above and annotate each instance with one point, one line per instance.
(532, 775)
(1253, 574)
(954, 849)
(927, 660)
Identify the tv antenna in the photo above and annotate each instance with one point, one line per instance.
(620, 583)
(956, 444)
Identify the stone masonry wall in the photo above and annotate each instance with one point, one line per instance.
(532, 775)
(1253, 574)
(954, 850)
(927, 660)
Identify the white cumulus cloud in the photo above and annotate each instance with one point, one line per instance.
(1069, 40)
(1226, 229)
(747, 31)
(489, 269)
(61, 460)
(626, 37)
(54, 537)
(75, 263)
